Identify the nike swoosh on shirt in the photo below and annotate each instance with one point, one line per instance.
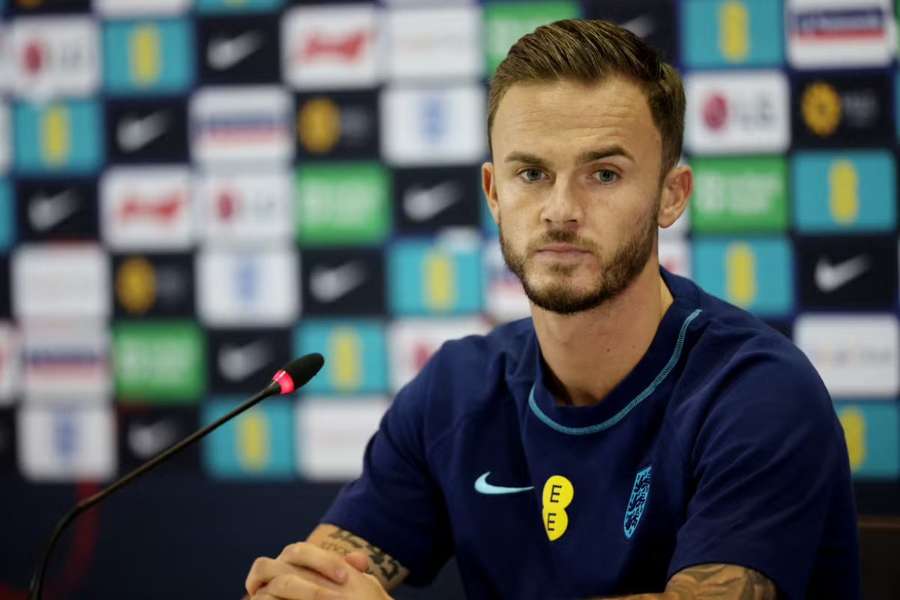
(423, 203)
(483, 487)
(46, 212)
(223, 53)
(239, 362)
(830, 277)
(135, 133)
(328, 285)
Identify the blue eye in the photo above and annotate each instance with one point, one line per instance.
(606, 176)
(531, 175)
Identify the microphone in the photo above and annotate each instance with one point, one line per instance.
(293, 376)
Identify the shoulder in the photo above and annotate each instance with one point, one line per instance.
(464, 376)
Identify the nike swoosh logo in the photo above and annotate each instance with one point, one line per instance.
(239, 362)
(46, 212)
(833, 277)
(328, 285)
(150, 440)
(483, 487)
(133, 134)
(223, 53)
(424, 203)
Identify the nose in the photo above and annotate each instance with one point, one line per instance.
(561, 206)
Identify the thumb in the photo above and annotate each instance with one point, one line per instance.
(358, 560)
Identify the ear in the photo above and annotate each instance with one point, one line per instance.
(489, 186)
(676, 189)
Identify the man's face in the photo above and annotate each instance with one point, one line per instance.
(575, 189)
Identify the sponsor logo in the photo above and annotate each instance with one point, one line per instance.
(135, 8)
(837, 272)
(241, 124)
(558, 494)
(65, 360)
(159, 362)
(412, 342)
(505, 23)
(339, 125)
(258, 443)
(745, 32)
(754, 274)
(344, 282)
(145, 431)
(60, 281)
(737, 112)
(54, 56)
(66, 443)
(46, 137)
(244, 360)
(427, 200)
(248, 287)
(847, 191)
(239, 50)
(343, 204)
(56, 209)
(648, 19)
(483, 487)
(7, 223)
(640, 492)
(857, 356)
(249, 207)
(844, 111)
(332, 434)
(237, 6)
(10, 363)
(158, 285)
(333, 47)
(434, 278)
(147, 132)
(434, 43)
(840, 33)
(357, 353)
(870, 429)
(146, 208)
(739, 195)
(148, 56)
(430, 126)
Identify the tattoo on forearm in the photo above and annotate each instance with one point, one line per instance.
(387, 566)
(714, 582)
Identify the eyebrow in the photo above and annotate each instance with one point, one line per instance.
(583, 158)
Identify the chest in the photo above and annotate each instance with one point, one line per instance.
(581, 515)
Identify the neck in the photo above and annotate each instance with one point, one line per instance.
(589, 353)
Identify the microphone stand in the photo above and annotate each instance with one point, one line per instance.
(37, 580)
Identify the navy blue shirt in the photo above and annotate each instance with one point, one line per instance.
(720, 446)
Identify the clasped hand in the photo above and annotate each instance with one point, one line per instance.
(304, 571)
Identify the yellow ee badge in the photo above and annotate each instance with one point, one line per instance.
(558, 494)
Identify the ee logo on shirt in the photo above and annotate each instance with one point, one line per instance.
(558, 494)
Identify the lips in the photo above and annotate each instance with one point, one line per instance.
(562, 249)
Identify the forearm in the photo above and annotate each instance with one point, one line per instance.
(712, 582)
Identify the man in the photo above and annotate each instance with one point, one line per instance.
(636, 437)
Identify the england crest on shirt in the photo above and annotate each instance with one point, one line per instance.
(640, 491)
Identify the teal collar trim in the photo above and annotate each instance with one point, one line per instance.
(673, 360)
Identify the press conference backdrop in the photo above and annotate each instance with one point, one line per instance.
(192, 193)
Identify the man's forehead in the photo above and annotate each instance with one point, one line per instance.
(613, 111)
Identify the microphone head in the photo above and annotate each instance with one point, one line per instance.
(296, 373)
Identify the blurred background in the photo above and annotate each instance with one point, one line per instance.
(192, 192)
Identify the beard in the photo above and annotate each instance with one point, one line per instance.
(616, 272)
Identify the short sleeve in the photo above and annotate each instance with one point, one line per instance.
(395, 504)
(765, 464)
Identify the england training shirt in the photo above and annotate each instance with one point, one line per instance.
(720, 446)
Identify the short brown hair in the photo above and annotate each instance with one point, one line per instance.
(588, 51)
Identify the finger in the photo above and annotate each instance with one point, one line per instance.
(293, 587)
(324, 562)
(264, 569)
(358, 560)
